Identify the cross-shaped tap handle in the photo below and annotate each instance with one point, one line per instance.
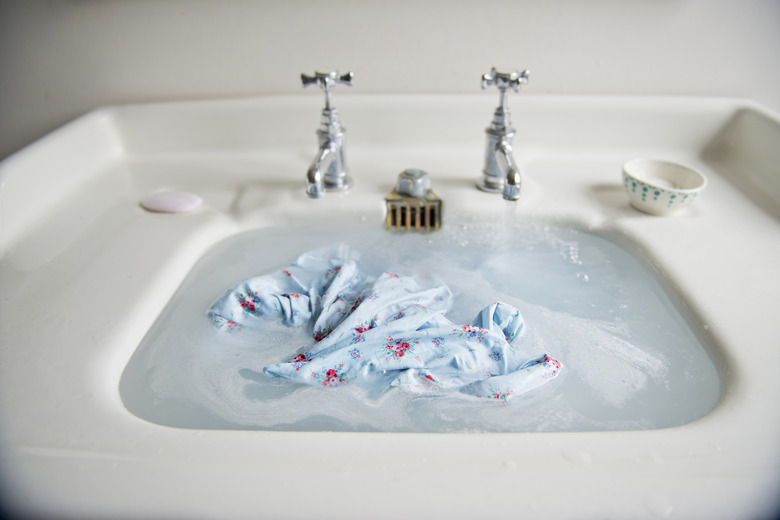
(505, 80)
(326, 81)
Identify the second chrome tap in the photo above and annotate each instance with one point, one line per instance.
(500, 172)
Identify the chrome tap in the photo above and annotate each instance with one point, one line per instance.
(500, 172)
(328, 171)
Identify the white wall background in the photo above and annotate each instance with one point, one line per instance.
(62, 58)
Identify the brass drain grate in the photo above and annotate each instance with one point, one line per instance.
(413, 206)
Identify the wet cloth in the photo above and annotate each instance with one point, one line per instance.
(384, 332)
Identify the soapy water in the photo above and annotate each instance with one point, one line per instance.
(631, 361)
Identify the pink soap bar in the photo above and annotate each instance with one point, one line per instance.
(171, 202)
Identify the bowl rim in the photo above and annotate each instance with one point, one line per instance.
(633, 162)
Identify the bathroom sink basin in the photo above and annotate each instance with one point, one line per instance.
(667, 328)
(632, 361)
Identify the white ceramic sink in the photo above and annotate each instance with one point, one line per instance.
(85, 273)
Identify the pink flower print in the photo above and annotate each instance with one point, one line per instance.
(502, 395)
(331, 377)
(365, 327)
(399, 348)
(355, 305)
(355, 353)
(474, 332)
(232, 326)
(321, 334)
(553, 364)
(300, 361)
(224, 323)
(286, 272)
(391, 274)
(292, 295)
(495, 356)
(249, 302)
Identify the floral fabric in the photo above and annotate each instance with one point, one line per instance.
(384, 332)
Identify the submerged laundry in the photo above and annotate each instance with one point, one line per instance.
(382, 332)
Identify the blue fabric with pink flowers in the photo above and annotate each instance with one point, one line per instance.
(383, 332)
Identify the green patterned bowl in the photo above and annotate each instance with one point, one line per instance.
(661, 187)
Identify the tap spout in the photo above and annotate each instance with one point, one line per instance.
(512, 186)
(506, 163)
(328, 170)
(315, 186)
(500, 173)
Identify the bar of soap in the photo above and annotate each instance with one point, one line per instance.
(171, 202)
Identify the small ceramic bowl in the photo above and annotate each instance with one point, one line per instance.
(661, 187)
